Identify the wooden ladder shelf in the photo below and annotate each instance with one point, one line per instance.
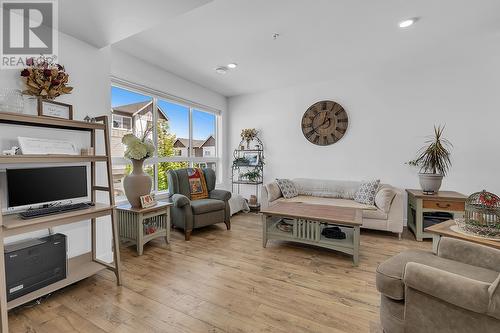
(82, 266)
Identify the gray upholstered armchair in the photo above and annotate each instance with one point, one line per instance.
(190, 214)
(456, 290)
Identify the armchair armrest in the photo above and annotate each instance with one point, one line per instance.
(220, 195)
(452, 288)
(180, 200)
(469, 253)
(495, 298)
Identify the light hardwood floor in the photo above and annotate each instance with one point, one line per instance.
(224, 281)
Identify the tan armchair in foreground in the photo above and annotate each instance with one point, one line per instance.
(456, 290)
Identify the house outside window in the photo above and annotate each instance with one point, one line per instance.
(122, 122)
(184, 135)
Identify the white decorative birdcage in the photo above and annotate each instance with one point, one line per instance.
(482, 215)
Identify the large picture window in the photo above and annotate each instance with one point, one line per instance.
(184, 135)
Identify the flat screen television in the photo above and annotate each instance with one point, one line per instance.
(42, 185)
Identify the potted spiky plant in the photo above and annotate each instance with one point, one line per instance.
(434, 161)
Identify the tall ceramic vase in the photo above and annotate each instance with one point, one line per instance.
(137, 184)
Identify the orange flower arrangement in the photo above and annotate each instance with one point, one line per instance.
(45, 78)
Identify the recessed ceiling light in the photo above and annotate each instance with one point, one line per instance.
(408, 22)
(221, 70)
(232, 65)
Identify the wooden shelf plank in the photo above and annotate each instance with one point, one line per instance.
(14, 225)
(29, 120)
(79, 268)
(242, 182)
(16, 159)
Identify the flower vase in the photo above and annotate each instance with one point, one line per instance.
(137, 184)
(248, 144)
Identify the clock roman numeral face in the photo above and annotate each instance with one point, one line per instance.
(324, 123)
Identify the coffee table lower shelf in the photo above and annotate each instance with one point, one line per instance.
(309, 232)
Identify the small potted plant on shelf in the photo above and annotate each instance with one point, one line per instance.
(433, 161)
(248, 134)
(252, 176)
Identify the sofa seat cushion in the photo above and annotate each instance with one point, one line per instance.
(327, 201)
(202, 206)
(375, 214)
(389, 277)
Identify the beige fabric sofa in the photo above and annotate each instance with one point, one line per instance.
(386, 214)
(456, 290)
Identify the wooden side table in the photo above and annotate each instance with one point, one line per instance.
(443, 201)
(444, 230)
(140, 225)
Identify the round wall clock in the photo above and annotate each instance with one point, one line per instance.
(324, 123)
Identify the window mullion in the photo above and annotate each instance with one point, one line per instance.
(191, 148)
(155, 141)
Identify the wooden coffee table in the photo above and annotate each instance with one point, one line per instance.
(308, 222)
(444, 230)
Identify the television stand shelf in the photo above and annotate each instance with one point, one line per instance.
(79, 268)
(82, 266)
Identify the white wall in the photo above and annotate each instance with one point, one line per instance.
(391, 110)
(89, 74)
(131, 69)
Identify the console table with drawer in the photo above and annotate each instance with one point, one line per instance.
(443, 201)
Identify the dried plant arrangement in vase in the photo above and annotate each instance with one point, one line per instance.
(45, 78)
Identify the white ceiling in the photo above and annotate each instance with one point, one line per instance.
(103, 22)
(319, 39)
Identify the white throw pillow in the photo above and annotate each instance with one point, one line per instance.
(273, 191)
(287, 188)
(383, 198)
(366, 192)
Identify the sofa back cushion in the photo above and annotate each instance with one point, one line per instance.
(341, 189)
(384, 197)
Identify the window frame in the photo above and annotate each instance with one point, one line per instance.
(191, 106)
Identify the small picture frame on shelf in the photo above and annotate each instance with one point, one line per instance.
(147, 201)
(54, 109)
(252, 158)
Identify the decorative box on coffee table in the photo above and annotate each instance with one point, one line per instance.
(419, 203)
(141, 225)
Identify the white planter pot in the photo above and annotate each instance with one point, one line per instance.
(430, 182)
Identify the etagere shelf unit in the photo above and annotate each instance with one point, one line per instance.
(82, 266)
(248, 158)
